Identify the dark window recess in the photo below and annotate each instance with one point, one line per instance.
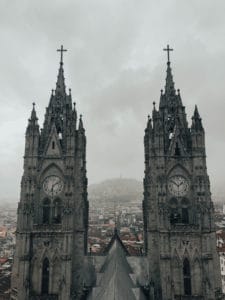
(187, 277)
(174, 217)
(177, 150)
(53, 145)
(57, 212)
(46, 212)
(45, 277)
(185, 216)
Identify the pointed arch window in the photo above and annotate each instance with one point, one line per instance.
(185, 215)
(185, 210)
(177, 150)
(45, 277)
(174, 216)
(174, 211)
(46, 211)
(57, 211)
(187, 277)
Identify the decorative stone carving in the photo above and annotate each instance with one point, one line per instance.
(67, 210)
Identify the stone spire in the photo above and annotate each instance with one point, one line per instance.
(33, 121)
(149, 124)
(60, 84)
(74, 116)
(169, 87)
(59, 111)
(196, 113)
(81, 127)
(170, 92)
(33, 113)
(196, 121)
(32, 134)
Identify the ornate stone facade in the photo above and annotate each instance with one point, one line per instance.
(53, 208)
(180, 260)
(178, 210)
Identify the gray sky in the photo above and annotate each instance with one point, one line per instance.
(116, 67)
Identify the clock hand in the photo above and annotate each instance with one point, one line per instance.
(52, 191)
(174, 182)
(55, 183)
(53, 186)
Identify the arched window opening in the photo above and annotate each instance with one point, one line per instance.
(177, 150)
(46, 211)
(45, 277)
(185, 216)
(53, 145)
(187, 277)
(57, 211)
(174, 216)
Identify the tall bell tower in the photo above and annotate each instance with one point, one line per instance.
(53, 209)
(178, 210)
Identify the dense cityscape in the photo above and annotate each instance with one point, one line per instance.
(106, 212)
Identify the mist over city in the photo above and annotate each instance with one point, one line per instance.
(115, 66)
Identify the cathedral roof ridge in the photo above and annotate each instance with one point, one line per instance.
(116, 270)
(117, 238)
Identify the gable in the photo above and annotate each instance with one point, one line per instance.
(53, 145)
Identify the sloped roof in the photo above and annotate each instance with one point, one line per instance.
(115, 282)
(114, 238)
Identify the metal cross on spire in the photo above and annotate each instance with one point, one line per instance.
(168, 49)
(61, 50)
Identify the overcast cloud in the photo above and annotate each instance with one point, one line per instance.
(116, 67)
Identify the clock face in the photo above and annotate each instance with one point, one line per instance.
(53, 185)
(178, 186)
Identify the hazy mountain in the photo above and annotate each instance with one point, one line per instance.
(118, 189)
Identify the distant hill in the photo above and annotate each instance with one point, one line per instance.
(118, 189)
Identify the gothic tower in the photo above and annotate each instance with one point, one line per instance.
(178, 210)
(53, 209)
